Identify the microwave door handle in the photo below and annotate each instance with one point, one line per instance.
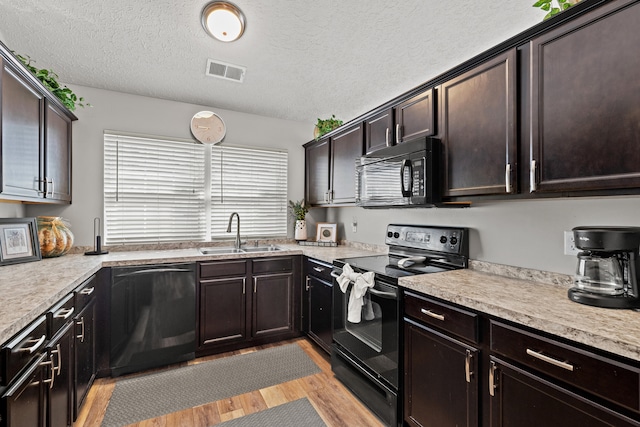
(406, 163)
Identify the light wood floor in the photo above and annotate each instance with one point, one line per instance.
(333, 402)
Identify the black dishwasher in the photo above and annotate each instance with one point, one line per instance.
(153, 316)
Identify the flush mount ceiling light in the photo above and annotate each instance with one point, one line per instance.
(223, 21)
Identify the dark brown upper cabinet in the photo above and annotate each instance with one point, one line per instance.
(415, 117)
(585, 109)
(35, 142)
(330, 167)
(379, 131)
(317, 171)
(478, 127)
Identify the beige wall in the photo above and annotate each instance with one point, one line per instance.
(138, 114)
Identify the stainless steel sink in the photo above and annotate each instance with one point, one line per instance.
(261, 249)
(231, 250)
(220, 250)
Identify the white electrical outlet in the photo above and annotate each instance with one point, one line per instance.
(354, 225)
(570, 244)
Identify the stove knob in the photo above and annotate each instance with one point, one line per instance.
(396, 234)
(443, 239)
(453, 240)
(389, 234)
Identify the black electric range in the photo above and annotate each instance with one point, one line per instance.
(365, 348)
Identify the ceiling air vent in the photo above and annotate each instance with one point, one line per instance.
(223, 70)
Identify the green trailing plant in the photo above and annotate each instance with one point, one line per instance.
(326, 126)
(298, 209)
(553, 8)
(50, 80)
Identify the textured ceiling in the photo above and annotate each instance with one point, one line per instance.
(304, 59)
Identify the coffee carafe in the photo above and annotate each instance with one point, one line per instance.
(608, 264)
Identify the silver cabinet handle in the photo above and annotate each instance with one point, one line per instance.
(386, 138)
(507, 178)
(244, 285)
(255, 285)
(58, 354)
(318, 269)
(51, 380)
(398, 133)
(307, 285)
(64, 313)
(36, 344)
(533, 185)
(467, 366)
(432, 314)
(559, 363)
(492, 379)
(53, 187)
(81, 324)
(87, 291)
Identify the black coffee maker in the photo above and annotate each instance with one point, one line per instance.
(608, 266)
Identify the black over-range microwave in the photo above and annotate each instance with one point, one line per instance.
(403, 175)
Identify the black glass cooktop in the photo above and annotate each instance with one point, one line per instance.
(385, 265)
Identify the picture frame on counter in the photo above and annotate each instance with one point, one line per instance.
(326, 232)
(19, 241)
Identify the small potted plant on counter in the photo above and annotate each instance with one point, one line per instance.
(299, 211)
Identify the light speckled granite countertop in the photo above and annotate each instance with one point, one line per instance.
(28, 290)
(542, 306)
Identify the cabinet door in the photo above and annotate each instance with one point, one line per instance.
(22, 111)
(441, 381)
(61, 393)
(585, 91)
(57, 155)
(379, 131)
(320, 297)
(272, 304)
(346, 148)
(85, 353)
(478, 111)
(223, 311)
(415, 118)
(521, 399)
(317, 172)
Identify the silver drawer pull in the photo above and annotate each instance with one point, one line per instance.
(551, 360)
(318, 269)
(87, 291)
(36, 344)
(64, 314)
(432, 314)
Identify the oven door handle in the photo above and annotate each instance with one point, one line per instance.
(334, 273)
(381, 294)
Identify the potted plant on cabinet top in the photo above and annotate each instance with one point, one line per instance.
(326, 126)
(554, 6)
(299, 211)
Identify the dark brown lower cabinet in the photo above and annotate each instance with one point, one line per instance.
(246, 302)
(520, 398)
(272, 304)
(60, 393)
(441, 384)
(85, 353)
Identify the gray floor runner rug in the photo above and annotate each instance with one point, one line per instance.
(293, 414)
(149, 396)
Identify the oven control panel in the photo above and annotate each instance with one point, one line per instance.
(439, 239)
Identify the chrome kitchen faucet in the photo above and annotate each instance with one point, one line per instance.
(237, 244)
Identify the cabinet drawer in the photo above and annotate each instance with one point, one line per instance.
(601, 376)
(319, 269)
(223, 268)
(85, 293)
(443, 316)
(60, 314)
(24, 347)
(272, 265)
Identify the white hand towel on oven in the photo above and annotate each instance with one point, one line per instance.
(361, 282)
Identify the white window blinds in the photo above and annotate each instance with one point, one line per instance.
(252, 182)
(161, 190)
(153, 190)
